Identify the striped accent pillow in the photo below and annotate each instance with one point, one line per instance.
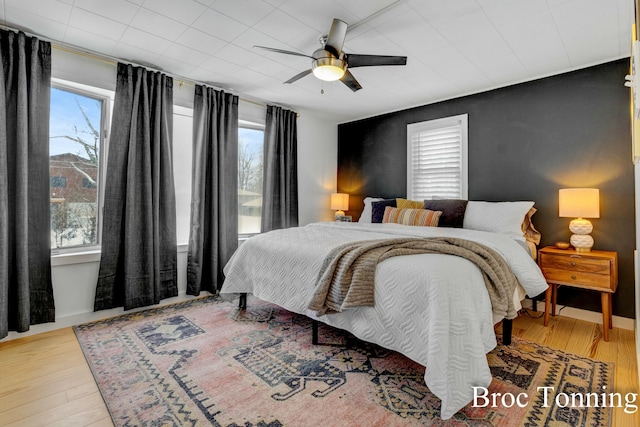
(423, 217)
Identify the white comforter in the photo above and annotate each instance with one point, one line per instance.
(432, 308)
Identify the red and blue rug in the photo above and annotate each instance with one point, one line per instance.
(203, 362)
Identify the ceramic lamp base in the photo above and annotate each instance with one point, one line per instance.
(580, 226)
(582, 242)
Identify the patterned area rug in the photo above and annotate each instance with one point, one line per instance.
(204, 362)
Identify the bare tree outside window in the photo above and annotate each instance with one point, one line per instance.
(74, 142)
(250, 148)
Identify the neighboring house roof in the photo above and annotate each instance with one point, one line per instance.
(69, 157)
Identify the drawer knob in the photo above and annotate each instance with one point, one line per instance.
(573, 277)
(573, 263)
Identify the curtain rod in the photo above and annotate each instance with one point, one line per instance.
(87, 53)
(181, 79)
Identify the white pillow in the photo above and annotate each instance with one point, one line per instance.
(367, 212)
(497, 217)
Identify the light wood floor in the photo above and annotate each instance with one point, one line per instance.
(585, 339)
(45, 380)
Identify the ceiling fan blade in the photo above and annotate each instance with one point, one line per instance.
(355, 60)
(350, 81)
(286, 52)
(298, 76)
(336, 36)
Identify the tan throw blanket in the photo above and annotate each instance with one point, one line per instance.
(347, 275)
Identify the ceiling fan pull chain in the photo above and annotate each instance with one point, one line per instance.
(321, 87)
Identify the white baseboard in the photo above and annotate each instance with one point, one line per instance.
(77, 319)
(587, 315)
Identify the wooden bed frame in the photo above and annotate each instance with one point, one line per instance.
(507, 324)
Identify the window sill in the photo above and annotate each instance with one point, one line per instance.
(82, 257)
(75, 258)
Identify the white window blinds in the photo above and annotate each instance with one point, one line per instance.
(437, 159)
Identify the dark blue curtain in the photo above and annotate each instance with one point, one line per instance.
(26, 292)
(138, 265)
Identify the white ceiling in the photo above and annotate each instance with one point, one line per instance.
(454, 47)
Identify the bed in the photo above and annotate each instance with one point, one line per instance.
(432, 308)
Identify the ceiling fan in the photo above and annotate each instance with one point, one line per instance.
(330, 63)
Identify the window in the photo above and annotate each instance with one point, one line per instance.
(76, 139)
(250, 150)
(58, 182)
(89, 183)
(437, 159)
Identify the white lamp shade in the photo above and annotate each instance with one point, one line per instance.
(340, 202)
(579, 202)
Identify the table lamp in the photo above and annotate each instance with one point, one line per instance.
(580, 203)
(339, 203)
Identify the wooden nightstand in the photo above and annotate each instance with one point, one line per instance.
(595, 270)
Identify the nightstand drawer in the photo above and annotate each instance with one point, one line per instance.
(577, 263)
(577, 278)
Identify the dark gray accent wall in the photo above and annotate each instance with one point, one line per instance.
(525, 142)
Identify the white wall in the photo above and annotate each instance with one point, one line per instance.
(75, 275)
(317, 167)
(636, 264)
(182, 149)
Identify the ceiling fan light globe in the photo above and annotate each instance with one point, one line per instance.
(329, 69)
(328, 73)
